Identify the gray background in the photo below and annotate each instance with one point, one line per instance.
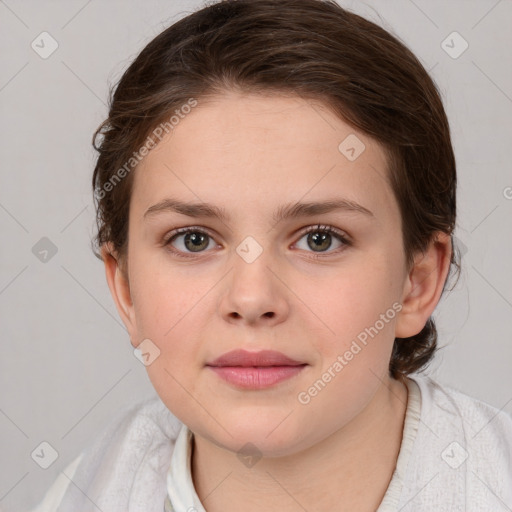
(67, 365)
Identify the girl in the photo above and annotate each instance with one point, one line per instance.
(276, 199)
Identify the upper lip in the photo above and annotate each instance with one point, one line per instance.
(262, 358)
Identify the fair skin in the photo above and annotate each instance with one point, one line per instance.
(250, 155)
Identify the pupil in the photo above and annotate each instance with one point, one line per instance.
(197, 240)
(320, 240)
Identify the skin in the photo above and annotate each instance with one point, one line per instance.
(250, 155)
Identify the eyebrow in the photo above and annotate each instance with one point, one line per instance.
(289, 211)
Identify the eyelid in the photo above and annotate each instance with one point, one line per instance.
(180, 231)
(342, 235)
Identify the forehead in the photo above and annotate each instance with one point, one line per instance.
(245, 151)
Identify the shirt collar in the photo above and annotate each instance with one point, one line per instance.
(180, 487)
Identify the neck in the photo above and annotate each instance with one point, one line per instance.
(333, 474)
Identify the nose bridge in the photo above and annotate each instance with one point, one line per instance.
(251, 274)
(252, 291)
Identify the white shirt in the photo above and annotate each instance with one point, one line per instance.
(455, 456)
(441, 464)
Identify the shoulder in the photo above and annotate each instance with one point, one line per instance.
(462, 452)
(452, 407)
(136, 444)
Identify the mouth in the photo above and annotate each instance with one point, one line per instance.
(255, 370)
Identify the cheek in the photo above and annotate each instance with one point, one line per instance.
(164, 301)
(169, 313)
(170, 310)
(361, 311)
(346, 305)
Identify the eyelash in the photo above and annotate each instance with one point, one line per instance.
(311, 229)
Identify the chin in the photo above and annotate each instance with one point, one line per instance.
(268, 438)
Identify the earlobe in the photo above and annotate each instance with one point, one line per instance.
(423, 286)
(119, 286)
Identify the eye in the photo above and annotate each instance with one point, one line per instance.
(320, 238)
(189, 240)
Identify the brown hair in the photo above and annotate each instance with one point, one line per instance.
(320, 51)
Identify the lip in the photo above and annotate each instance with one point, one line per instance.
(255, 370)
(245, 358)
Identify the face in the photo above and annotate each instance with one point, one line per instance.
(311, 282)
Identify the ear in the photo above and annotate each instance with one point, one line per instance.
(423, 286)
(117, 279)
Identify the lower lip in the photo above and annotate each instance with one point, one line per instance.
(256, 377)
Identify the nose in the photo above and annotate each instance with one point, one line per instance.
(253, 294)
